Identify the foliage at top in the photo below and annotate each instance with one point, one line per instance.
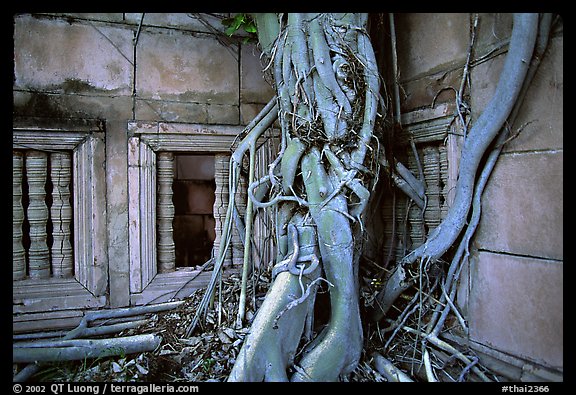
(241, 22)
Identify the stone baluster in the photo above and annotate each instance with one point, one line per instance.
(61, 214)
(38, 254)
(165, 213)
(18, 253)
(221, 193)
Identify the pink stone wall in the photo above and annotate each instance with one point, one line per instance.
(516, 306)
(92, 65)
(121, 67)
(515, 301)
(512, 293)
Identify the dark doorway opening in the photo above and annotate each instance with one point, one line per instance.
(193, 189)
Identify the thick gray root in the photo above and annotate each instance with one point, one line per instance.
(337, 350)
(312, 86)
(275, 333)
(270, 346)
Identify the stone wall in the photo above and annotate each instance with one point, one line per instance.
(512, 292)
(120, 67)
(516, 272)
(170, 68)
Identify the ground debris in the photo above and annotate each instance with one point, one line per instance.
(211, 351)
(207, 355)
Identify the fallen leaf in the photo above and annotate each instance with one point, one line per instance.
(231, 333)
(224, 337)
(141, 369)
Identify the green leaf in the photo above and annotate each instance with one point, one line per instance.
(250, 27)
(238, 21)
(234, 24)
(230, 30)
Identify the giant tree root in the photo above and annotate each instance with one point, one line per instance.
(270, 346)
(483, 132)
(337, 349)
(322, 63)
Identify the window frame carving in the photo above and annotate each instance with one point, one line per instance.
(89, 286)
(145, 141)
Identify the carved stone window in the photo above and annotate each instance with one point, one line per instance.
(438, 142)
(152, 148)
(59, 235)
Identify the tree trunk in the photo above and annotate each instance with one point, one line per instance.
(327, 87)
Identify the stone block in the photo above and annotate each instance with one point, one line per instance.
(223, 114)
(184, 21)
(494, 29)
(541, 113)
(57, 56)
(117, 209)
(430, 89)
(484, 78)
(52, 105)
(516, 306)
(492, 36)
(254, 88)
(249, 111)
(522, 206)
(463, 289)
(169, 111)
(194, 167)
(543, 108)
(428, 42)
(93, 16)
(178, 66)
